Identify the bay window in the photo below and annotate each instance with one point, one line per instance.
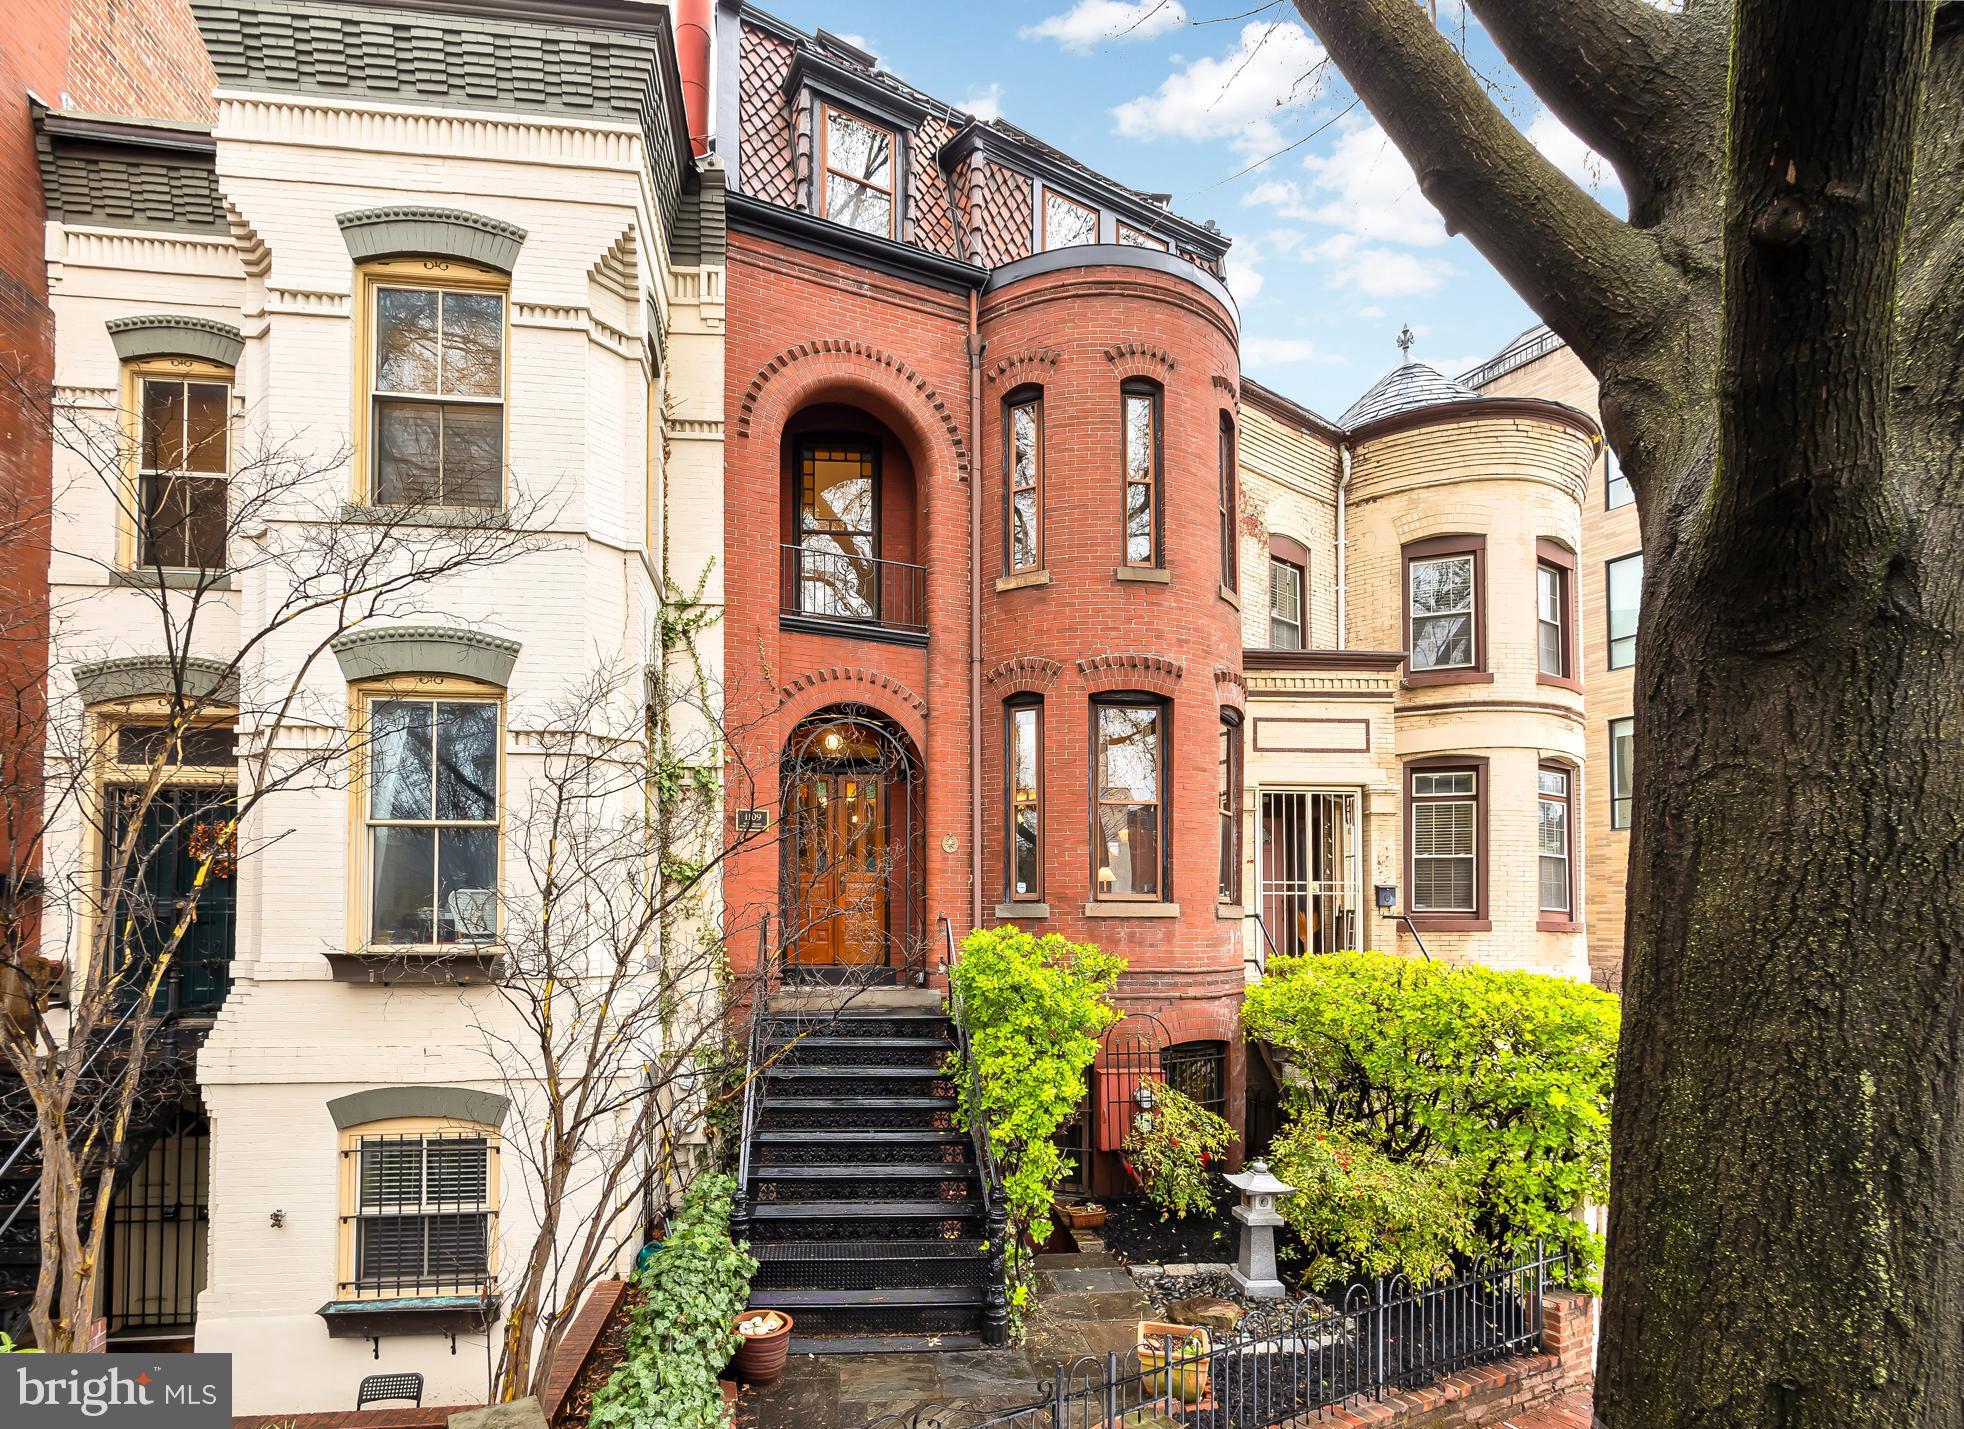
(431, 815)
(1128, 845)
(436, 400)
(1230, 557)
(1554, 840)
(1445, 840)
(1445, 594)
(1023, 482)
(1230, 806)
(1554, 588)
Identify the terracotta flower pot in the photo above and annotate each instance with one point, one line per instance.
(1190, 1369)
(1083, 1218)
(760, 1358)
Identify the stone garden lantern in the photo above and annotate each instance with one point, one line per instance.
(1254, 1272)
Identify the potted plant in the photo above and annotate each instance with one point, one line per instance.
(1190, 1368)
(766, 1338)
(1082, 1216)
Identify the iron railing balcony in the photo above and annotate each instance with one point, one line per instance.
(826, 590)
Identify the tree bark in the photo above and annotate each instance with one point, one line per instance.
(1787, 1216)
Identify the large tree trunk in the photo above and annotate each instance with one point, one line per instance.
(1777, 332)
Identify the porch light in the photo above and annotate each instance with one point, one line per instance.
(1254, 1270)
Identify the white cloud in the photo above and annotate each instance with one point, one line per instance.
(1566, 152)
(1243, 276)
(1236, 96)
(1381, 272)
(1363, 186)
(1371, 311)
(984, 102)
(1278, 351)
(1082, 26)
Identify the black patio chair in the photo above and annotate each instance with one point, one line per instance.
(376, 1387)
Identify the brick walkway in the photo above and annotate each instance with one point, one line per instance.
(1575, 1412)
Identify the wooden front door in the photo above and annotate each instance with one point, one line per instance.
(839, 868)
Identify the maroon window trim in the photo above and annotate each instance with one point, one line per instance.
(1478, 921)
(1547, 921)
(1429, 549)
(1559, 558)
(1291, 552)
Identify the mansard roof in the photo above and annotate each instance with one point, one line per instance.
(106, 172)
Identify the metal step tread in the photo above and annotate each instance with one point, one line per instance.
(850, 1171)
(856, 1069)
(834, 1210)
(856, 1250)
(887, 1298)
(882, 1344)
(855, 1137)
(823, 1039)
(771, 1103)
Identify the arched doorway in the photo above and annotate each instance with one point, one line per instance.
(852, 857)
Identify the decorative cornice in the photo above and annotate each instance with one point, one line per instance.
(1221, 384)
(812, 234)
(1134, 353)
(460, 1106)
(400, 231)
(131, 677)
(860, 352)
(371, 654)
(1013, 365)
(1322, 659)
(175, 335)
(852, 675)
(1022, 672)
(1230, 682)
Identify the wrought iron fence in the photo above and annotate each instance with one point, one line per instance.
(995, 1311)
(1299, 1359)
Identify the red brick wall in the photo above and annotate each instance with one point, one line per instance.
(815, 341)
(1078, 334)
(142, 59)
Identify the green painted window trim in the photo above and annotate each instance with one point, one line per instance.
(458, 1104)
(136, 677)
(399, 232)
(176, 335)
(425, 650)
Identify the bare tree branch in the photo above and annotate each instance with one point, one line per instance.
(1593, 278)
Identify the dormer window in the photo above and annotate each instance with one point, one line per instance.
(856, 164)
(1132, 237)
(1066, 222)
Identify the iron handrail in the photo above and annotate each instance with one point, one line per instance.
(747, 1122)
(1268, 938)
(995, 1313)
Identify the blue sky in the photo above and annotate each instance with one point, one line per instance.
(1334, 246)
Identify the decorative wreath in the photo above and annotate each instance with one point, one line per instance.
(218, 843)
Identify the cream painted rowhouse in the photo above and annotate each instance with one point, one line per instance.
(464, 260)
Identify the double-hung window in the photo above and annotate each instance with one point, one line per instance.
(1616, 486)
(1554, 601)
(1444, 588)
(417, 1211)
(1230, 806)
(1622, 771)
(432, 821)
(1285, 604)
(183, 462)
(1128, 845)
(1445, 840)
(1023, 770)
(1554, 839)
(438, 396)
(1141, 413)
(856, 169)
(1066, 222)
(1023, 464)
(1625, 581)
(1230, 558)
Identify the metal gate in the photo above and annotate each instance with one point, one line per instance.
(1128, 1057)
(1311, 870)
(159, 1226)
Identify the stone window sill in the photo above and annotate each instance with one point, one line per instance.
(1230, 912)
(1144, 575)
(1231, 597)
(1419, 679)
(1450, 923)
(362, 514)
(171, 578)
(1023, 580)
(1131, 910)
(1557, 925)
(1022, 910)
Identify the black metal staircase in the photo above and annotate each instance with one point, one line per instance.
(867, 1209)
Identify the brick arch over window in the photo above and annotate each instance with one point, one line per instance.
(1033, 364)
(1130, 670)
(834, 684)
(1231, 689)
(1020, 674)
(784, 384)
(1141, 359)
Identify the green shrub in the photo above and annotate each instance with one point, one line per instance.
(1364, 1214)
(1506, 1076)
(1035, 1009)
(1169, 1151)
(680, 1337)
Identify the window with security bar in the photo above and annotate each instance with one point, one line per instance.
(1445, 843)
(1198, 1071)
(419, 1214)
(1310, 865)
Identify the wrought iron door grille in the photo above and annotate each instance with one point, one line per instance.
(159, 1229)
(1311, 895)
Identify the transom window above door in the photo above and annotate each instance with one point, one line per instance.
(856, 168)
(438, 422)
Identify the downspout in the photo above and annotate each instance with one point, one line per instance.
(1343, 548)
(692, 21)
(974, 614)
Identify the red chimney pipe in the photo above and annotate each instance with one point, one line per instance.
(692, 21)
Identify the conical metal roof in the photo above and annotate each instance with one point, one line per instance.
(1409, 385)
